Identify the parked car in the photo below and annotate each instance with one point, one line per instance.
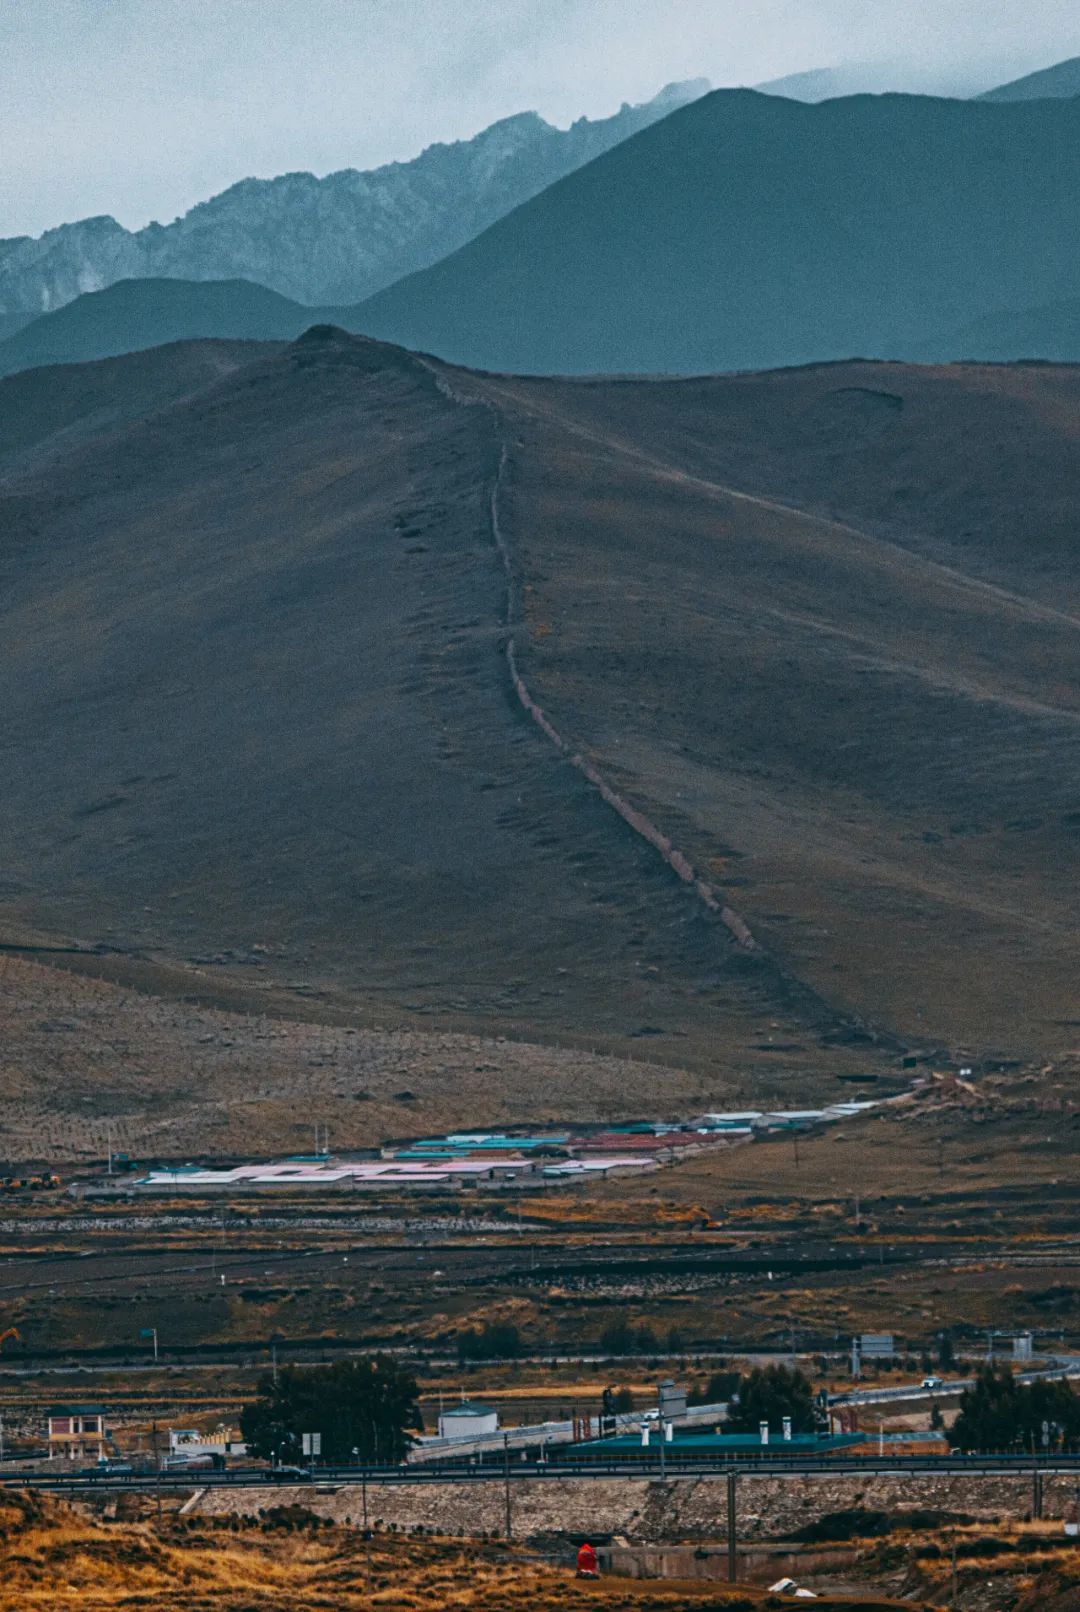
(932, 1382)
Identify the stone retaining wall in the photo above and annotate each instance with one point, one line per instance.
(643, 1511)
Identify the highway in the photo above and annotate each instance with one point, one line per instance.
(1062, 1369)
(516, 1471)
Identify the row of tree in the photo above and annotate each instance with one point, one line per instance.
(996, 1413)
(368, 1410)
(500, 1340)
(999, 1413)
(363, 1410)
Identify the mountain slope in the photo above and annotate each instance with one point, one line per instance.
(336, 239)
(861, 717)
(260, 734)
(46, 413)
(257, 726)
(1061, 80)
(136, 314)
(747, 231)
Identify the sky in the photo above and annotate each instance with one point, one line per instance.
(140, 108)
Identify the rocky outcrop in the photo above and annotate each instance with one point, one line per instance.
(331, 240)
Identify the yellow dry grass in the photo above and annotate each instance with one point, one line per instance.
(53, 1558)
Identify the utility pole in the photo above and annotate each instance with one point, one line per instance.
(732, 1559)
(367, 1531)
(157, 1466)
(506, 1484)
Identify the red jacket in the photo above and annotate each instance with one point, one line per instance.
(586, 1559)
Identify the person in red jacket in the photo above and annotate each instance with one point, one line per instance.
(586, 1563)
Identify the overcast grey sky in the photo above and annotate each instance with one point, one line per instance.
(141, 107)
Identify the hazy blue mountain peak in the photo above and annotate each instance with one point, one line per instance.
(325, 240)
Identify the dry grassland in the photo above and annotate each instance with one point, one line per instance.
(948, 1145)
(82, 1057)
(52, 1558)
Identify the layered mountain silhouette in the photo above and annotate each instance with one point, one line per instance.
(749, 231)
(136, 314)
(743, 231)
(819, 628)
(1060, 81)
(336, 239)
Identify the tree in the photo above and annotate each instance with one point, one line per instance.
(999, 1413)
(616, 1402)
(365, 1405)
(497, 1340)
(717, 1390)
(768, 1395)
(622, 1339)
(946, 1353)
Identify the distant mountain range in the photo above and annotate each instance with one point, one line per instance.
(742, 231)
(340, 239)
(1053, 83)
(873, 78)
(748, 231)
(330, 240)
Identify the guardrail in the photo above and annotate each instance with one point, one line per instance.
(599, 1467)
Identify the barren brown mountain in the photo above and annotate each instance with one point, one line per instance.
(261, 742)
